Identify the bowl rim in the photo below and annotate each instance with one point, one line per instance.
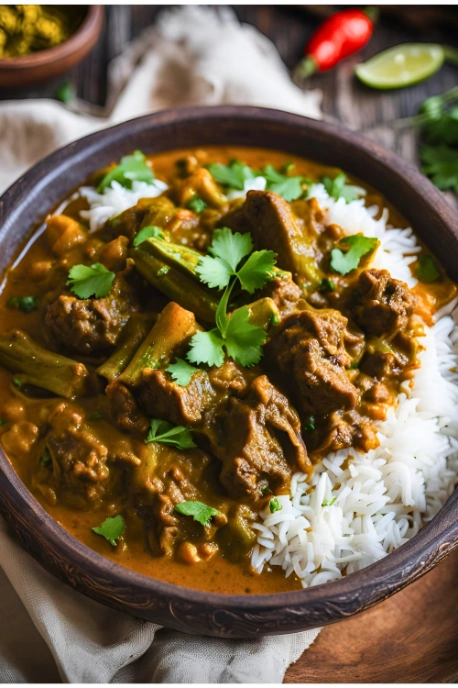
(361, 589)
(91, 24)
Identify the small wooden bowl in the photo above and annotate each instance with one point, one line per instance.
(193, 611)
(46, 64)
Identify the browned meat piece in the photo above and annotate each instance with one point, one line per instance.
(345, 430)
(380, 365)
(163, 398)
(263, 442)
(88, 325)
(384, 304)
(273, 226)
(308, 347)
(79, 457)
(125, 409)
(284, 293)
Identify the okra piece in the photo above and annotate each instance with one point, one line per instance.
(130, 339)
(171, 268)
(263, 313)
(173, 328)
(34, 365)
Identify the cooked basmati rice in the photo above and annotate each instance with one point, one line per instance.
(356, 508)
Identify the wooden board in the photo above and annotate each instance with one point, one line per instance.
(410, 638)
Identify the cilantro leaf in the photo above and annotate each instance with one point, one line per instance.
(330, 502)
(146, 233)
(257, 270)
(233, 175)
(199, 511)
(427, 270)
(65, 92)
(206, 347)
(86, 281)
(309, 425)
(131, 168)
(111, 529)
(274, 505)
(166, 433)
(181, 372)
(441, 164)
(288, 187)
(327, 285)
(338, 188)
(243, 341)
(214, 272)
(23, 303)
(359, 246)
(229, 247)
(197, 205)
(45, 460)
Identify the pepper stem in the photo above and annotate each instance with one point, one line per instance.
(305, 68)
(373, 13)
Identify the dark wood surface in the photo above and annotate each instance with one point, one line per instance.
(413, 636)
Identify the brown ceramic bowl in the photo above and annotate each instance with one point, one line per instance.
(46, 64)
(192, 611)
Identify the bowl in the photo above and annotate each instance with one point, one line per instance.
(192, 611)
(30, 69)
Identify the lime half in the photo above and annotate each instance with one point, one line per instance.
(401, 66)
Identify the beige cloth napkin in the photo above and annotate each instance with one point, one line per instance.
(193, 55)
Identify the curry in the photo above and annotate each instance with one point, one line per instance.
(169, 367)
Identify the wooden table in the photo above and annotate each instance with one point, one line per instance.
(412, 637)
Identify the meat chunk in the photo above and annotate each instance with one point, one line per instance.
(89, 325)
(284, 293)
(308, 347)
(163, 398)
(384, 304)
(263, 442)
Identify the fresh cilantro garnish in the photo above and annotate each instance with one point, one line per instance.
(111, 529)
(86, 281)
(45, 460)
(233, 175)
(338, 188)
(274, 505)
(163, 271)
(330, 502)
(65, 92)
(23, 303)
(441, 164)
(181, 372)
(199, 511)
(147, 233)
(17, 383)
(132, 168)
(166, 433)
(197, 205)
(309, 425)
(266, 491)
(358, 246)
(222, 270)
(96, 416)
(289, 188)
(327, 285)
(427, 270)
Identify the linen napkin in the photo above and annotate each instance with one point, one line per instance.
(193, 55)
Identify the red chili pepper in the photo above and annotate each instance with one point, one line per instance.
(339, 36)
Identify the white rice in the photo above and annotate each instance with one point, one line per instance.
(115, 199)
(382, 498)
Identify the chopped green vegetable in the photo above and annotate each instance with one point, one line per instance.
(45, 460)
(359, 246)
(441, 164)
(96, 416)
(338, 188)
(241, 339)
(309, 425)
(330, 502)
(233, 175)
(181, 372)
(288, 187)
(111, 529)
(65, 92)
(274, 505)
(197, 205)
(2, 422)
(146, 233)
(327, 285)
(199, 511)
(23, 303)
(132, 168)
(17, 383)
(266, 491)
(86, 281)
(166, 433)
(163, 271)
(427, 270)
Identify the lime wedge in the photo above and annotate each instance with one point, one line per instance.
(401, 66)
